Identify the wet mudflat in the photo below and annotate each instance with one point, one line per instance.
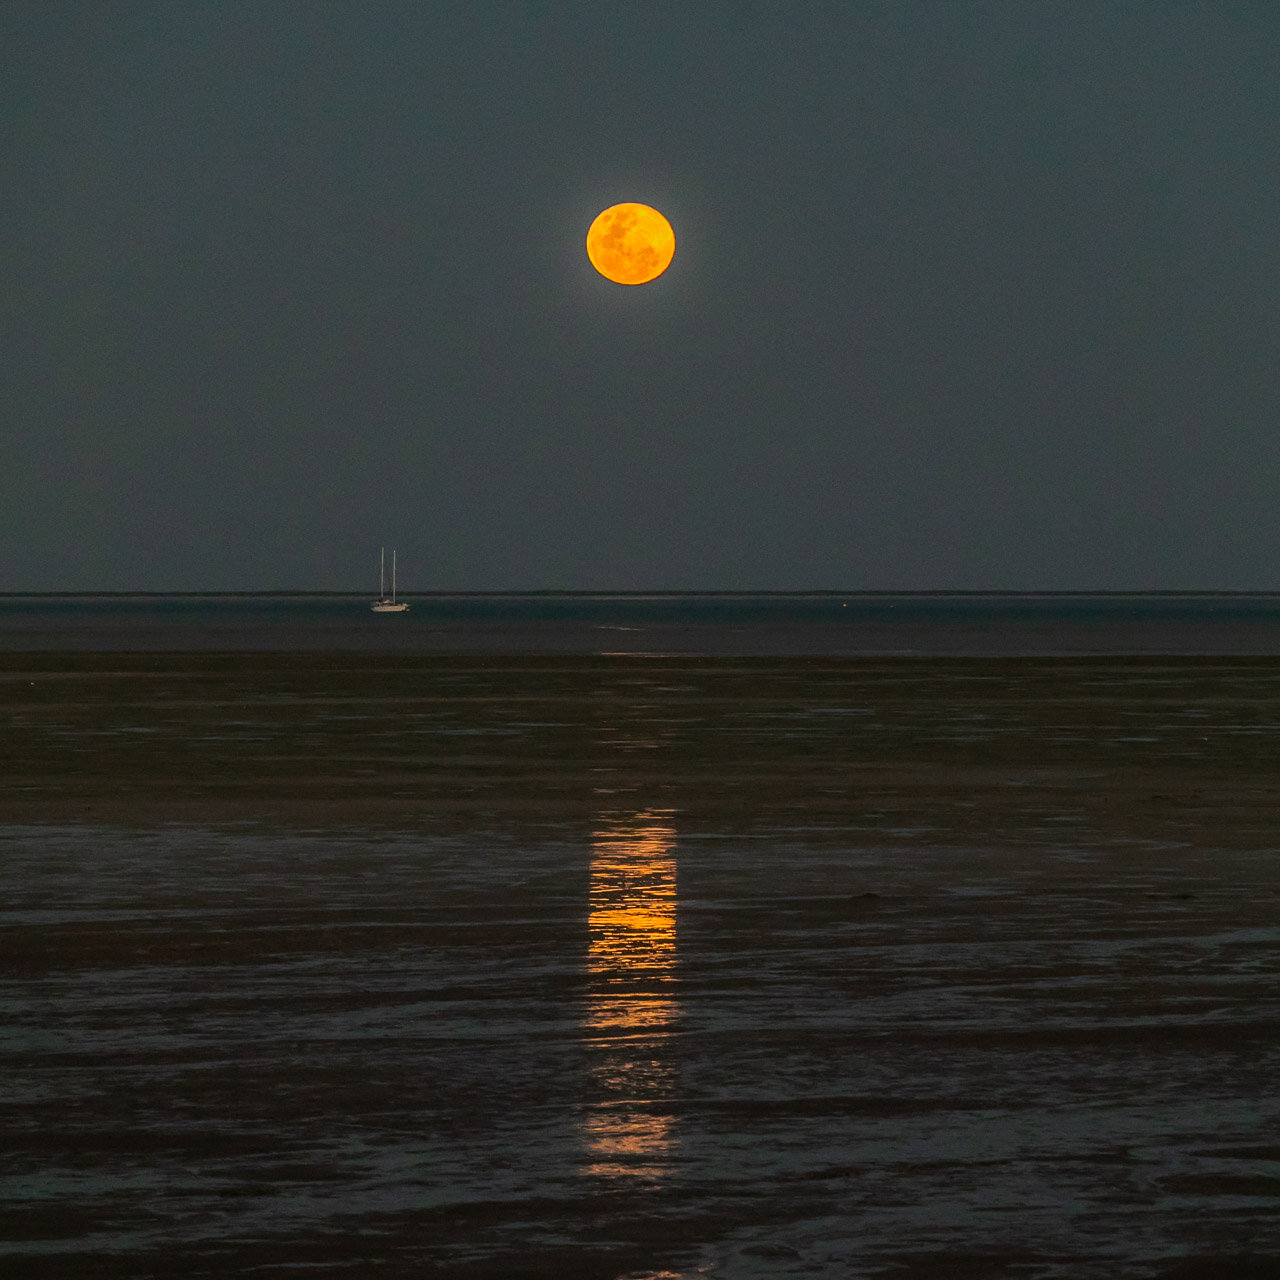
(604, 967)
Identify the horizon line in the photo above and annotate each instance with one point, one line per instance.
(656, 591)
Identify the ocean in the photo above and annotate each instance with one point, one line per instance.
(640, 938)
(937, 624)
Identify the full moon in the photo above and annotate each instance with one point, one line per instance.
(631, 243)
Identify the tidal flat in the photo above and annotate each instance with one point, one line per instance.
(618, 966)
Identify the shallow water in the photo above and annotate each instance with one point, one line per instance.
(381, 965)
(229, 1050)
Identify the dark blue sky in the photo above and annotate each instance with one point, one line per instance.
(966, 295)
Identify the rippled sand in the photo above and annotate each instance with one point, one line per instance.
(387, 966)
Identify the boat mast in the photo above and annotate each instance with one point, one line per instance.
(382, 574)
(393, 575)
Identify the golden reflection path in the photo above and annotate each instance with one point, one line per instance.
(631, 996)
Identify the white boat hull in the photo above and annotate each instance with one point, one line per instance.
(387, 607)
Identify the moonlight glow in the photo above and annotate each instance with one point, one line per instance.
(631, 243)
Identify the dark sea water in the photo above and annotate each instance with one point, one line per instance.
(610, 939)
(634, 1054)
(925, 624)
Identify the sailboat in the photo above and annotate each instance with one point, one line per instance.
(387, 603)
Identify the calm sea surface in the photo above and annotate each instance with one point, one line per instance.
(633, 1053)
(764, 624)
(542, 946)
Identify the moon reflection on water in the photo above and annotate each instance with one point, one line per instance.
(632, 1003)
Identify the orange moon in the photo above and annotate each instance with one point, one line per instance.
(631, 244)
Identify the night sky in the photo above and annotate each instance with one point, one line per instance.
(965, 295)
